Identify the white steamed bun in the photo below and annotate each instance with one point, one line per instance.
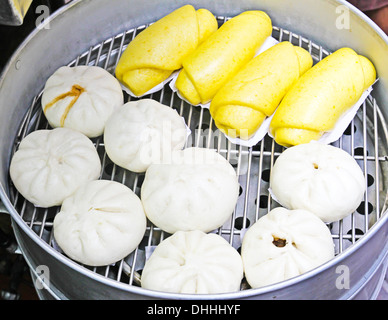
(81, 98)
(101, 223)
(193, 262)
(284, 244)
(50, 165)
(319, 178)
(196, 190)
(143, 132)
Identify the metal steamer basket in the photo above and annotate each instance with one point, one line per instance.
(95, 33)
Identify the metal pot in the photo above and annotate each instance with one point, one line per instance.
(94, 32)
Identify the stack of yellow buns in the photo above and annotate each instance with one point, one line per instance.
(218, 67)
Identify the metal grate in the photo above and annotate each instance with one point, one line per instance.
(365, 139)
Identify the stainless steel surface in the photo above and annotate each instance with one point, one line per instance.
(360, 239)
(3, 209)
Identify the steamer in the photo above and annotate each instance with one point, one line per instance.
(95, 33)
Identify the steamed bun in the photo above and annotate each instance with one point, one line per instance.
(81, 98)
(101, 223)
(284, 244)
(51, 164)
(193, 262)
(143, 132)
(320, 178)
(196, 190)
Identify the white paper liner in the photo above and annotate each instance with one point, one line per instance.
(268, 43)
(256, 138)
(188, 130)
